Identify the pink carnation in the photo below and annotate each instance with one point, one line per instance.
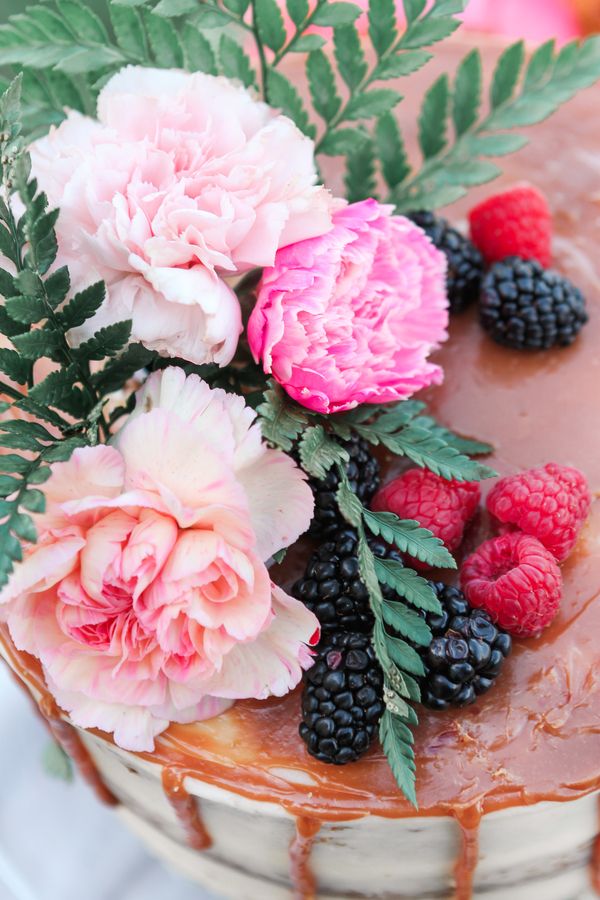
(351, 317)
(147, 598)
(184, 180)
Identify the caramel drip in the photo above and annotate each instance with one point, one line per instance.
(303, 880)
(468, 821)
(595, 863)
(186, 808)
(66, 735)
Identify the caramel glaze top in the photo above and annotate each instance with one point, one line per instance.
(536, 735)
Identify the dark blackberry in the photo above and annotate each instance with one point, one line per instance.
(331, 586)
(342, 699)
(465, 262)
(530, 308)
(362, 471)
(465, 655)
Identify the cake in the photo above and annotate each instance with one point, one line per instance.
(508, 789)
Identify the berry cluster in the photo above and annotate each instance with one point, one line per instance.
(342, 699)
(522, 303)
(466, 653)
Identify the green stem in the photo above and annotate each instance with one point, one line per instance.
(264, 68)
(300, 30)
(367, 81)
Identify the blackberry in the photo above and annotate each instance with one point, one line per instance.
(530, 308)
(331, 586)
(362, 471)
(465, 262)
(342, 699)
(465, 655)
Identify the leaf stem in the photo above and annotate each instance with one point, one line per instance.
(264, 67)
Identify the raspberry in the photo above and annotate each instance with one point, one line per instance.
(516, 222)
(445, 507)
(550, 503)
(516, 580)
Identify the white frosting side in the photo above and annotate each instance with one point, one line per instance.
(526, 853)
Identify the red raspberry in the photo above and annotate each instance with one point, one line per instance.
(550, 503)
(445, 507)
(516, 580)
(516, 222)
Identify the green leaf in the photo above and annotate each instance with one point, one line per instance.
(56, 762)
(413, 9)
(319, 452)
(321, 80)
(495, 144)
(427, 31)
(398, 753)
(349, 504)
(372, 103)
(383, 30)
(297, 10)
(307, 43)
(57, 286)
(58, 390)
(199, 55)
(235, 63)
(415, 589)
(466, 98)
(336, 14)
(405, 656)
(107, 341)
(118, 371)
(468, 174)
(84, 23)
(82, 306)
(400, 64)
(129, 30)
(89, 60)
(468, 446)
(169, 9)
(343, 141)
(164, 41)
(540, 65)
(410, 538)
(506, 74)
(360, 172)
(281, 419)
(406, 621)
(431, 451)
(238, 7)
(349, 55)
(391, 150)
(433, 118)
(269, 21)
(13, 365)
(27, 310)
(283, 95)
(37, 344)
(211, 17)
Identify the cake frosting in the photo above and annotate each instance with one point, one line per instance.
(508, 789)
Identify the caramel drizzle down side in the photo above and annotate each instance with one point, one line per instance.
(303, 880)
(66, 735)
(469, 821)
(186, 807)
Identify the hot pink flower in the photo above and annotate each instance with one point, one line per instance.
(351, 317)
(147, 598)
(185, 179)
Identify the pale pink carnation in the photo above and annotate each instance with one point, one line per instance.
(351, 317)
(147, 598)
(184, 180)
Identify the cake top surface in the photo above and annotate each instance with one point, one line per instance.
(536, 735)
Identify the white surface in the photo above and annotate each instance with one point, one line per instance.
(56, 841)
